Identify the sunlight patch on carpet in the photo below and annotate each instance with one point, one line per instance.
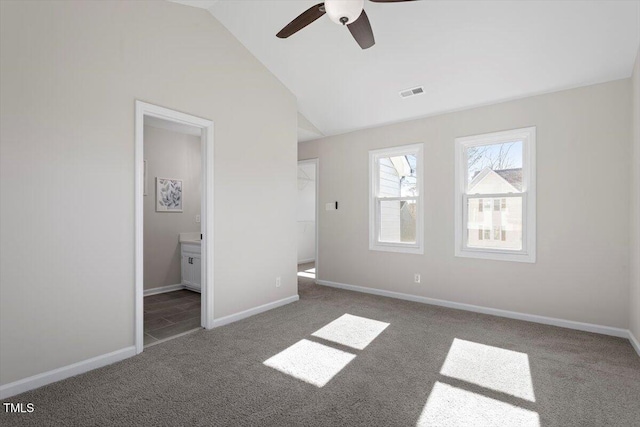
(452, 406)
(306, 274)
(495, 368)
(310, 362)
(352, 331)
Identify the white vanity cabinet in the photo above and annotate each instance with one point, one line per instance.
(191, 265)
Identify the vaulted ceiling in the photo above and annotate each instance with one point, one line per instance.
(464, 54)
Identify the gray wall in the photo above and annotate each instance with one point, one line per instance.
(634, 294)
(71, 72)
(169, 155)
(582, 268)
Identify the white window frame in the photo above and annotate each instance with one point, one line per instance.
(528, 195)
(374, 201)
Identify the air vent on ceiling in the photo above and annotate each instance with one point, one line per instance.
(412, 92)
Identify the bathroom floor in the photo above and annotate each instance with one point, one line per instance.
(170, 314)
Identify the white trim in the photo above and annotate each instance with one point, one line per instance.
(634, 342)
(304, 261)
(374, 224)
(68, 371)
(172, 337)
(588, 327)
(143, 109)
(316, 161)
(163, 289)
(528, 194)
(207, 227)
(253, 311)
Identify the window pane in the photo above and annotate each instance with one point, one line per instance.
(397, 176)
(398, 221)
(495, 168)
(495, 229)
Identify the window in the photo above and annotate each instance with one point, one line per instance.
(495, 194)
(395, 200)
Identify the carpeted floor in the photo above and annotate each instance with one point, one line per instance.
(428, 366)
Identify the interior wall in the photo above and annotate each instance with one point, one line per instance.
(174, 155)
(582, 268)
(71, 72)
(306, 212)
(634, 294)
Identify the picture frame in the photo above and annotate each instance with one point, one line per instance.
(169, 195)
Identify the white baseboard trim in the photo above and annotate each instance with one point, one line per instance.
(304, 261)
(163, 289)
(253, 311)
(588, 327)
(172, 337)
(59, 374)
(634, 342)
(74, 369)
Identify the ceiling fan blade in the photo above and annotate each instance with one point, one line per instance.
(389, 1)
(304, 19)
(362, 32)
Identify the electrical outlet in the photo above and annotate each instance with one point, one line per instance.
(416, 278)
(197, 218)
(278, 282)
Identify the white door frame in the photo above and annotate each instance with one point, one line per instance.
(144, 109)
(316, 162)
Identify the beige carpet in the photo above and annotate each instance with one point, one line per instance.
(389, 363)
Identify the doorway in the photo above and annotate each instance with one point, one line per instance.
(174, 214)
(307, 212)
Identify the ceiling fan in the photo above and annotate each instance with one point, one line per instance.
(346, 12)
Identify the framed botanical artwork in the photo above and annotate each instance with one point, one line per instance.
(168, 195)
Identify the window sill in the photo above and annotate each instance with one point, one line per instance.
(416, 250)
(497, 255)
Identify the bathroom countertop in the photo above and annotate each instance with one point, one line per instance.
(192, 242)
(192, 237)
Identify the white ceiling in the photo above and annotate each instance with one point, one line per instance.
(464, 53)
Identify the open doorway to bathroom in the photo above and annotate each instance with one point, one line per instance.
(172, 209)
(307, 221)
(173, 223)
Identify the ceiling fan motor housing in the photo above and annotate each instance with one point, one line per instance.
(344, 11)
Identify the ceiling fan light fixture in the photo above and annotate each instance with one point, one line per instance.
(344, 11)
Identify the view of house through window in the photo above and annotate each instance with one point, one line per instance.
(495, 201)
(494, 170)
(397, 179)
(395, 216)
